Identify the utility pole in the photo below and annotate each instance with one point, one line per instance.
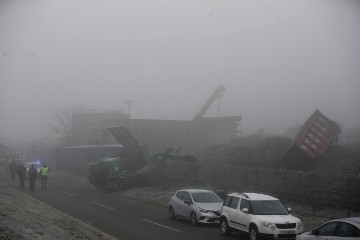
(129, 103)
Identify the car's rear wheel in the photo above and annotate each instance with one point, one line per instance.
(172, 213)
(224, 227)
(254, 234)
(193, 219)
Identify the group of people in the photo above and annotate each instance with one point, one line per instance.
(32, 174)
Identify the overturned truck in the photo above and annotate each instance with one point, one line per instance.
(129, 168)
(112, 171)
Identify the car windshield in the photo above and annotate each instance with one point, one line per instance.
(206, 197)
(268, 207)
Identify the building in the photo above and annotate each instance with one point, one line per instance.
(90, 127)
(159, 135)
(84, 125)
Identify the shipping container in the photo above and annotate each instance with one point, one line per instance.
(317, 134)
(313, 140)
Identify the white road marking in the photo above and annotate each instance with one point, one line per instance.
(161, 225)
(70, 194)
(104, 206)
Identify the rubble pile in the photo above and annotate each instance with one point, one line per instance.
(339, 160)
(266, 152)
(254, 151)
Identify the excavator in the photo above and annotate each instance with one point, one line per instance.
(216, 94)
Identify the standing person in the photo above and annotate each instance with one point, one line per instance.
(32, 173)
(13, 167)
(44, 172)
(21, 171)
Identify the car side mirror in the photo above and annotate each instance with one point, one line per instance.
(187, 202)
(245, 210)
(289, 209)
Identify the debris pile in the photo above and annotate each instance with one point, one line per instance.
(266, 152)
(254, 151)
(313, 148)
(339, 160)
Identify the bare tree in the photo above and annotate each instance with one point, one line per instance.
(61, 122)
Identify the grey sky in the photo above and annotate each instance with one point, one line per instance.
(279, 60)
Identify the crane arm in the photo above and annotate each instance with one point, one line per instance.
(214, 95)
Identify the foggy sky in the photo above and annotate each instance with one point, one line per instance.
(279, 60)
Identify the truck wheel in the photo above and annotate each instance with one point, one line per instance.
(171, 213)
(224, 227)
(193, 219)
(254, 234)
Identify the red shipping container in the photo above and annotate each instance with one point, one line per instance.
(316, 134)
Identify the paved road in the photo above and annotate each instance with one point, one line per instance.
(116, 215)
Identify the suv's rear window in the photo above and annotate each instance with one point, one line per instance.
(227, 201)
(234, 202)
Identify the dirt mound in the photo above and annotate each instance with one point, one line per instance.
(339, 160)
(266, 152)
(251, 151)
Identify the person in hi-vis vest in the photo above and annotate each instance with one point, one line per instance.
(44, 172)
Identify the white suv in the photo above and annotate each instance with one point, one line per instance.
(260, 215)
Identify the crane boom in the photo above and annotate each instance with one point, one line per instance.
(220, 89)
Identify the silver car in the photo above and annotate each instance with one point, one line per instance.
(196, 205)
(338, 229)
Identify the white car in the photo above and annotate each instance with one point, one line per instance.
(195, 205)
(259, 215)
(338, 229)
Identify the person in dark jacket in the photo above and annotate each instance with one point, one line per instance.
(21, 171)
(32, 173)
(12, 168)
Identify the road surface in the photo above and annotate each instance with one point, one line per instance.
(116, 215)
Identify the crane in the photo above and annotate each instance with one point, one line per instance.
(217, 93)
(220, 89)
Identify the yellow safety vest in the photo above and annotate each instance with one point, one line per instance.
(44, 171)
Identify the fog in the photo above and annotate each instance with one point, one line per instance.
(279, 60)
